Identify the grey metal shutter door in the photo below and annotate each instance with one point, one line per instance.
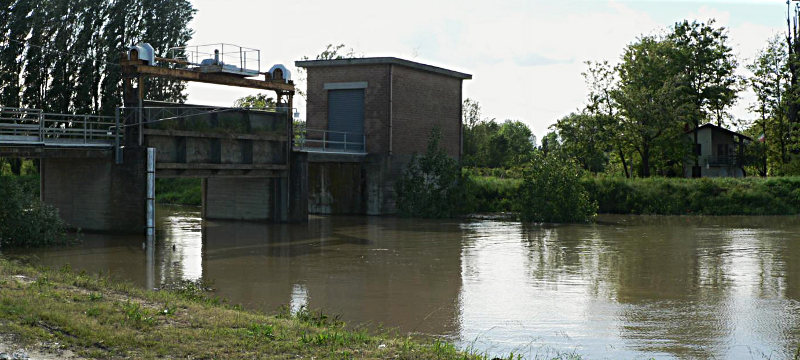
(346, 114)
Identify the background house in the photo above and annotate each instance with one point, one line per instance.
(720, 152)
(366, 117)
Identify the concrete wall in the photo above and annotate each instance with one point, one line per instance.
(96, 194)
(237, 198)
(335, 188)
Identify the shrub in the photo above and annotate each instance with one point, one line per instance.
(24, 220)
(432, 185)
(492, 194)
(551, 191)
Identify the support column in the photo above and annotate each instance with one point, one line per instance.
(96, 194)
(298, 187)
(280, 204)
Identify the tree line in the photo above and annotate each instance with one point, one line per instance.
(640, 114)
(63, 56)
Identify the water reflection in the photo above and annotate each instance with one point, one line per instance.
(626, 287)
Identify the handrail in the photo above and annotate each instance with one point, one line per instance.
(317, 140)
(20, 126)
(715, 160)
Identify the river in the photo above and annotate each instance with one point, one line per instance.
(625, 287)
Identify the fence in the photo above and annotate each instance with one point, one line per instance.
(35, 127)
(314, 140)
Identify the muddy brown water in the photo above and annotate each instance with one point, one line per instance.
(625, 287)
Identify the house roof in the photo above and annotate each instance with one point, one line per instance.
(720, 128)
(383, 61)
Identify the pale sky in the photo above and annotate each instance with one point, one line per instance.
(526, 57)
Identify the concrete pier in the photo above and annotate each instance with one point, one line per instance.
(95, 194)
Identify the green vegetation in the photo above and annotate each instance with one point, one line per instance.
(179, 191)
(100, 318)
(551, 191)
(718, 196)
(24, 220)
(62, 56)
(493, 194)
(657, 195)
(433, 185)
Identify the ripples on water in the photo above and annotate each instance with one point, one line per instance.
(626, 287)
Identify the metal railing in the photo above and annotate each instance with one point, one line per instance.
(247, 60)
(20, 126)
(314, 140)
(722, 160)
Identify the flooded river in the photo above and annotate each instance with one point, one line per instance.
(626, 287)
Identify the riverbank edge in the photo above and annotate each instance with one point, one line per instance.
(94, 316)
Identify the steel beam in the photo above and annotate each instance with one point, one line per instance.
(133, 68)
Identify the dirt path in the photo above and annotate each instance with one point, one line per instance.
(9, 350)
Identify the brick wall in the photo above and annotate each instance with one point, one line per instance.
(376, 100)
(420, 101)
(423, 100)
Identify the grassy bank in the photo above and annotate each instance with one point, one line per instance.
(179, 191)
(707, 196)
(96, 317)
(663, 196)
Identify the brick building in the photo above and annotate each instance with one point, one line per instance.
(365, 118)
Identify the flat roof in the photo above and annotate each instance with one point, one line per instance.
(383, 61)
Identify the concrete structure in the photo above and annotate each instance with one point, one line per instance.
(719, 151)
(390, 103)
(100, 171)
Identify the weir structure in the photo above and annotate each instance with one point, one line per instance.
(96, 170)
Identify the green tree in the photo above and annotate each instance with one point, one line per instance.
(706, 64)
(586, 138)
(551, 191)
(652, 104)
(602, 80)
(432, 185)
(770, 82)
(258, 101)
(511, 145)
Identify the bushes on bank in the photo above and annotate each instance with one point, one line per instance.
(24, 220)
(706, 196)
(551, 191)
(491, 194)
(663, 196)
(433, 186)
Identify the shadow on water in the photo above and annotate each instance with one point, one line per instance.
(624, 287)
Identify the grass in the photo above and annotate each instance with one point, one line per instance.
(179, 191)
(661, 196)
(97, 317)
(706, 196)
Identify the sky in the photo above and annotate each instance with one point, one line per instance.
(526, 56)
